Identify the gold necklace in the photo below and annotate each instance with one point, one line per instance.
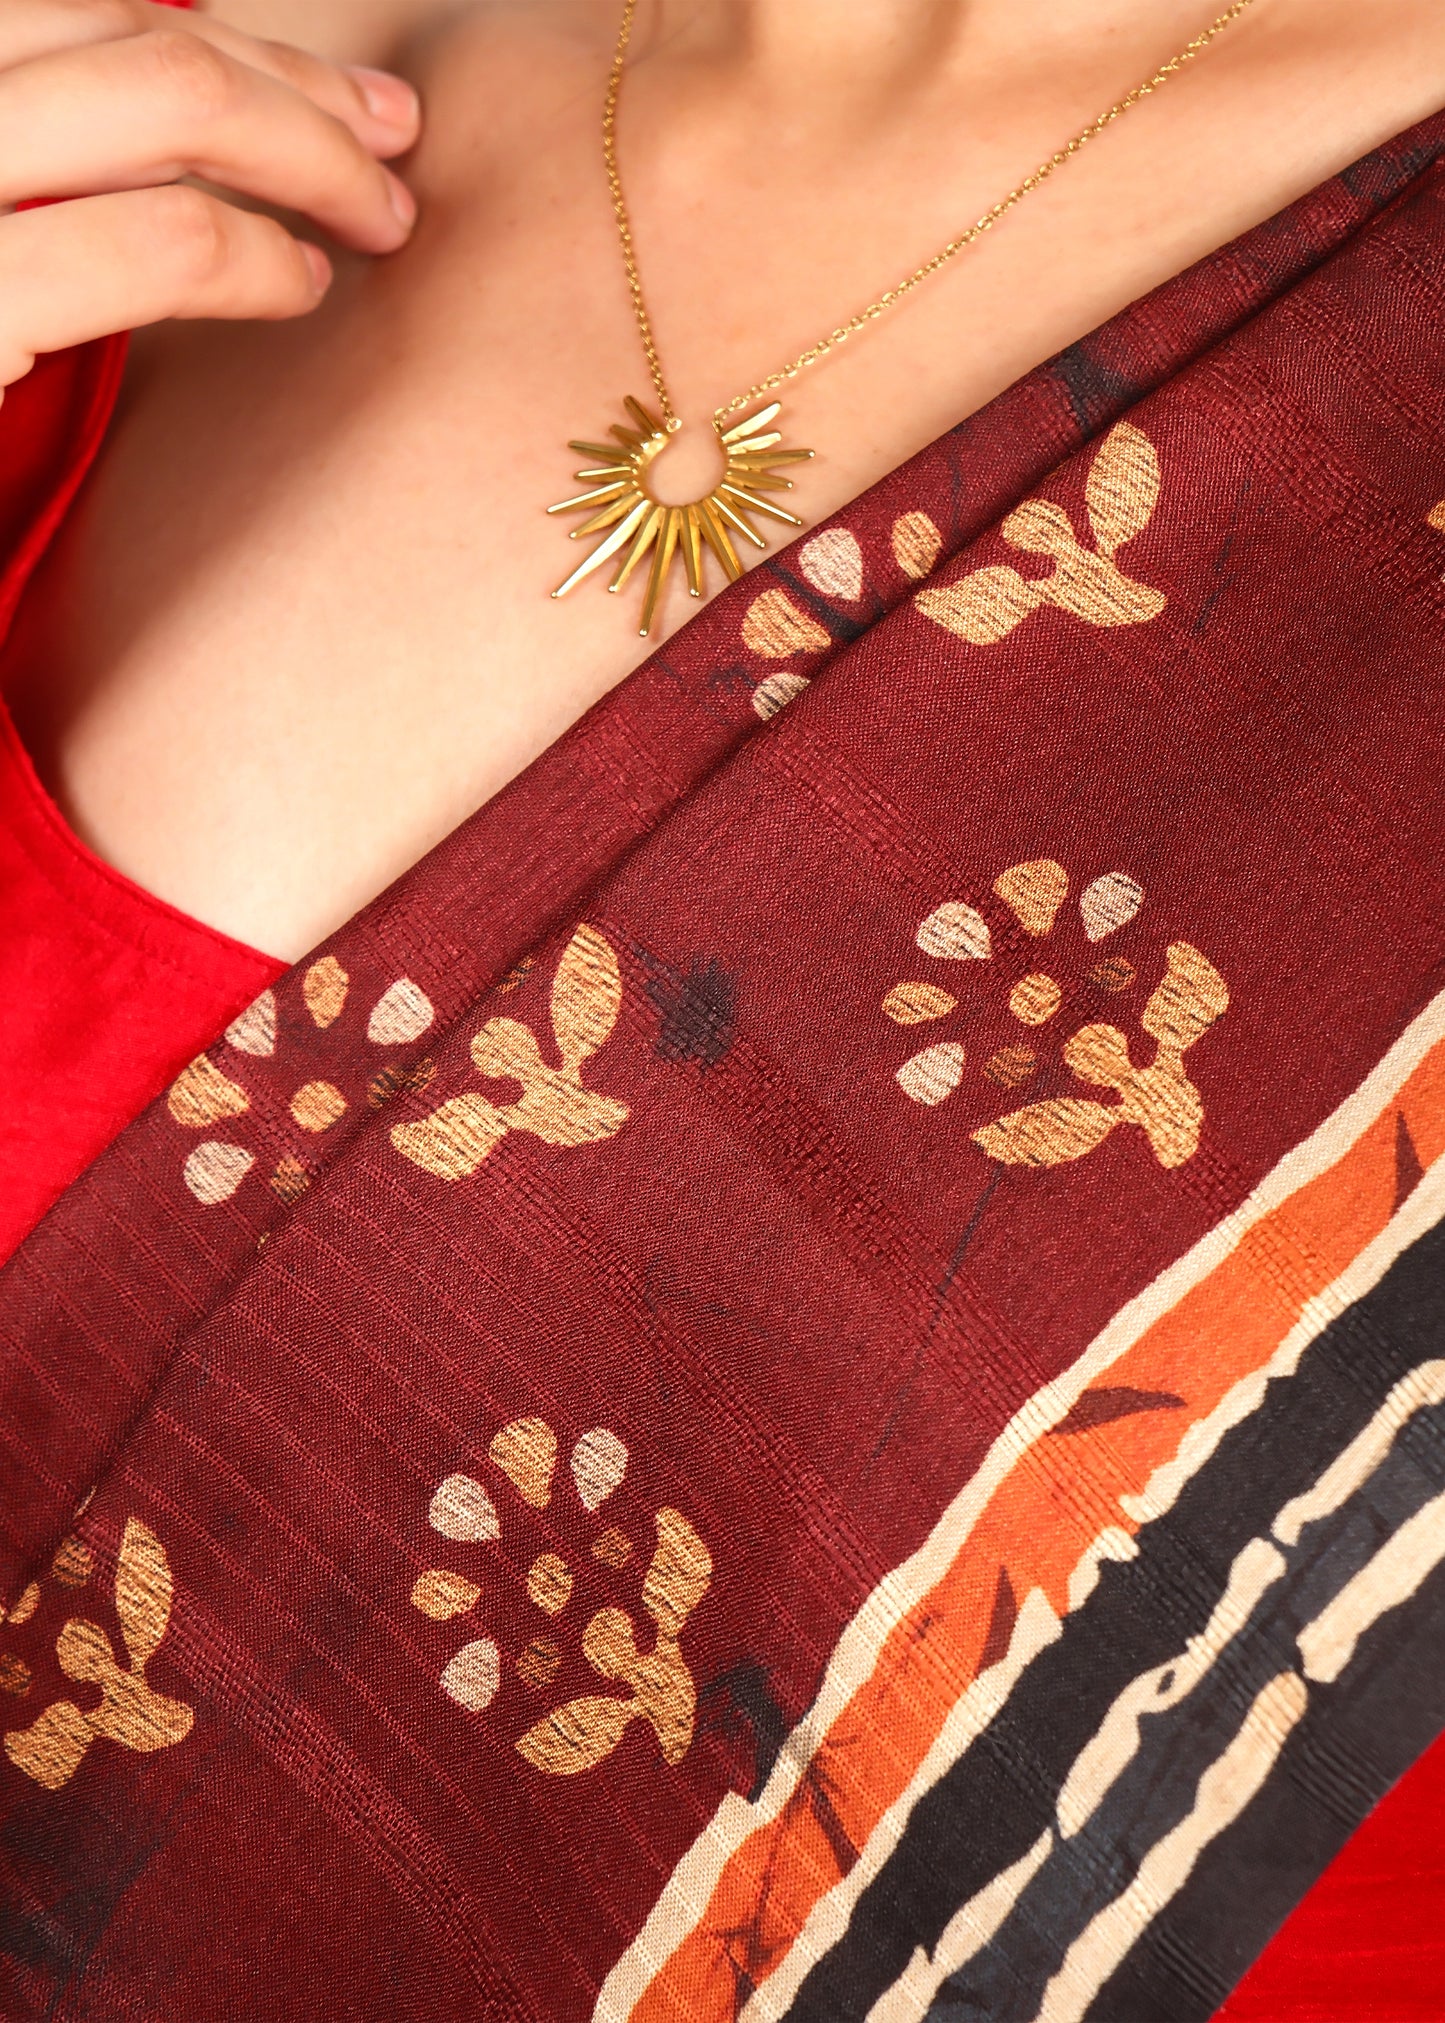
(621, 507)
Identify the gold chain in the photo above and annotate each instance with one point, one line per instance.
(920, 274)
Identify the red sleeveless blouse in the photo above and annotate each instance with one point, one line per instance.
(106, 992)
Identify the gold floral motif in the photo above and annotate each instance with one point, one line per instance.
(316, 1106)
(130, 1713)
(441, 1594)
(833, 563)
(540, 1663)
(1034, 893)
(549, 1583)
(28, 1603)
(73, 1564)
(324, 989)
(776, 629)
(526, 1453)
(914, 1004)
(583, 1732)
(204, 1098)
(554, 1105)
(917, 544)
(201, 1096)
(1159, 1098)
(1121, 493)
(774, 626)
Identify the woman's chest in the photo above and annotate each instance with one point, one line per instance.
(302, 624)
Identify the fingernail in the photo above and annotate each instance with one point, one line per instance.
(390, 99)
(320, 267)
(402, 200)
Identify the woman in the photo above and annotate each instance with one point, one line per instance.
(572, 1461)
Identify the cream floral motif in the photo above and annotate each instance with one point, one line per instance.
(129, 1713)
(1120, 495)
(581, 1733)
(775, 628)
(554, 1105)
(1157, 1097)
(205, 1097)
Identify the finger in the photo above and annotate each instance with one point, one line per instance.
(31, 28)
(381, 110)
(152, 108)
(85, 269)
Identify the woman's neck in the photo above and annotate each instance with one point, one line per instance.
(868, 49)
(380, 469)
(848, 38)
(921, 81)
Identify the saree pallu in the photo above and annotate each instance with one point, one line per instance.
(804, 1377)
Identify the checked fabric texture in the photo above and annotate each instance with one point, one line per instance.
(805, 1377)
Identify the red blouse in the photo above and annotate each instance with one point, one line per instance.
(105, 991)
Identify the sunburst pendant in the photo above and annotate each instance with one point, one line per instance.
(632, 522)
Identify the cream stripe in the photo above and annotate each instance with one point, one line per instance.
(1326, 1645)
(1225, 1789)
(1036, 1628)
(686, 1897)
(1111, 1750)
(1424, 1208)
(1424, 1387)
(1396, 1572)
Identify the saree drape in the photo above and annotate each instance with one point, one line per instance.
(803, 1377)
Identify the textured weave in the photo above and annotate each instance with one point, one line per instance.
(802, 1378)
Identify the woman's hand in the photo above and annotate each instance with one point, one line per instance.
(108, 103)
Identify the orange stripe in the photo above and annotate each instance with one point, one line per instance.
(1063, 1491)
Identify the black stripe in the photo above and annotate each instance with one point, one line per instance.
(1001, 1796)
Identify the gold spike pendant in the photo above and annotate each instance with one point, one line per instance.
(631, 524)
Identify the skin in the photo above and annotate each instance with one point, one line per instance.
(299, 627)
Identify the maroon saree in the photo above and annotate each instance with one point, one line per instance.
(802, 1378)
